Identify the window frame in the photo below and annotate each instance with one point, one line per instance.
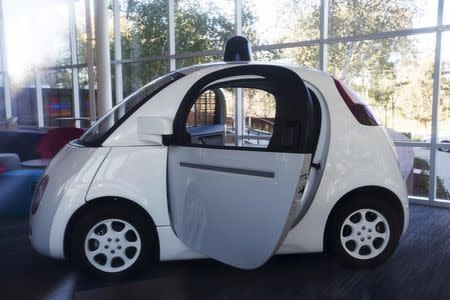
(274, 78)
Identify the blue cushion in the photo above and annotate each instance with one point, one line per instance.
(16, 190)
(206, 130)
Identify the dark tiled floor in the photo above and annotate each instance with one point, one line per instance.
(419, 269)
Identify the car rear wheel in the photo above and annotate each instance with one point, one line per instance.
(364, 232)
(112, 242)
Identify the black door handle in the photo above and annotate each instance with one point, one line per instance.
(316, 165)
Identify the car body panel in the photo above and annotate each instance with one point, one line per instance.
(138, 174)
(341, 177)
(352, 145)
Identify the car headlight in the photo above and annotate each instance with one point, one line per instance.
(38, 193)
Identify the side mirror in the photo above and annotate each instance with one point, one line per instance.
(151, 129)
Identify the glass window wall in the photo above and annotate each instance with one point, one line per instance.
(386, 50)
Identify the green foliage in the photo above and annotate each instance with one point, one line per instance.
(418, 94)
(444, 100)
(421, 164)
(350, 17)
(259, 103)
(248, 22)
(199, 27)
(146, 33)
(373, 68)
(421, 183)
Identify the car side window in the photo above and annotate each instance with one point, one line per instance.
(203, 110)
(258, 118)
(214, 121)
(257, 107)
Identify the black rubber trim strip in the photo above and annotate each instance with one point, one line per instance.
(229, 170)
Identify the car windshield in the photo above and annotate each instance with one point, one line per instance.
(118, 114)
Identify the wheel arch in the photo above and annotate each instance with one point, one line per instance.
(123, 203)
(384, 194)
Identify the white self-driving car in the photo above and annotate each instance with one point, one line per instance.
(176, 171)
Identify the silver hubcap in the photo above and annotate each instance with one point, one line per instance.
(112, 245)
(365, 234)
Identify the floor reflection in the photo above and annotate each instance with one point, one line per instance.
(417, 270)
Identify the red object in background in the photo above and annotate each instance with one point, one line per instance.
(2, 170)
(55, 139)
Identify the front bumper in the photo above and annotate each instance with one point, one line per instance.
(70, 174)
(39, 232)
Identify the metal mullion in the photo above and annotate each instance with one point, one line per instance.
(90, 63)
(172, 60)
(239, 114)
(254, 137)
(102, 58)
(39, 100)
(76, 97)
(445, 145)
(418, 198)
(117, 52)
(418, 144)
(63, 67)
(435, 105)
(323, 47)
(424, 201)
(238, 17)
(442, 202)
(239, 104)
(74, 60)
(143, 59)
(314, 42)
(386, 34)
(7, 94)
(411, 144)
(6, 84)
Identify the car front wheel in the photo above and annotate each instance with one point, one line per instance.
(113, 242)
(364, 232)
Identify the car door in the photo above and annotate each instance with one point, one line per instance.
(236, 201)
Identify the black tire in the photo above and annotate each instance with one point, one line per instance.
(445, 149)
(333, 242)
(140, 221)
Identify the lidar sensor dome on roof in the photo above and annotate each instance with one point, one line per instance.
(238, 48)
